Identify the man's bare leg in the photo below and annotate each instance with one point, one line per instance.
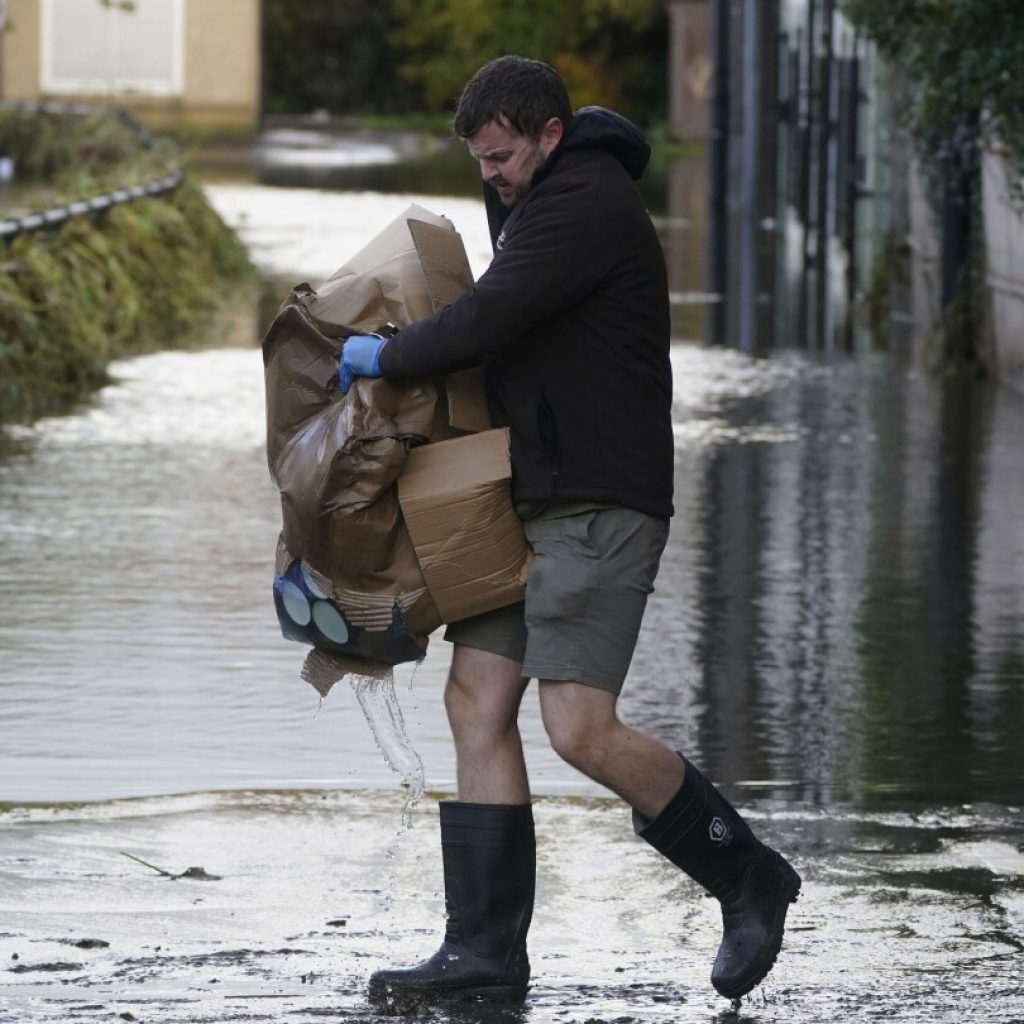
(482, 699)
(488, 844)
(683, 816)
(585, 731)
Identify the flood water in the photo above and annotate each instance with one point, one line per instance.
(837, 636)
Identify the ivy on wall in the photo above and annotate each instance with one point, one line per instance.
(960, 64)
(962, 60)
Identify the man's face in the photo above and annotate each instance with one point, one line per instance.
(508, 160)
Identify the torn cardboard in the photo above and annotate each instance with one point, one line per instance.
(353, 578)
(457, 503)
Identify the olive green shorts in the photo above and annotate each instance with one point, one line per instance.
(593, 568)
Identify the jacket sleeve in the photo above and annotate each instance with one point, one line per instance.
(542, 270)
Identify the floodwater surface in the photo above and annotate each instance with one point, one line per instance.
(837, 636)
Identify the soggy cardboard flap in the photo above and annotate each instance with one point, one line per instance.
(456, 501)
(443, 259)
(410, 269)
(439, 470)
(392, 240)
(467, 401)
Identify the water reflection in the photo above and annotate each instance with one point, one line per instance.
(838, 619)
(434, 167)
(390, 161)
(855, 606)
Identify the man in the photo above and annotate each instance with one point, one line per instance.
(571, 321)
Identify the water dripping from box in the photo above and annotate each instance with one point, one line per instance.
(376, 696)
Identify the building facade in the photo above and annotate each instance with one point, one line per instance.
(167, 61)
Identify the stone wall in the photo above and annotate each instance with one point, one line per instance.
(1004, 270)
(690, 68)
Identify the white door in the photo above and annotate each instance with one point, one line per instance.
(112, 47)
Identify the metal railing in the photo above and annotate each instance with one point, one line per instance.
(56, 215)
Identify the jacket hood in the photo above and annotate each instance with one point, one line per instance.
(600, 128)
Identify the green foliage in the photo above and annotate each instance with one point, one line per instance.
(960, 57)
(612, 52)
(333, 55)
(414, 56)
(141, 276)
(79, 155)
(889, 267)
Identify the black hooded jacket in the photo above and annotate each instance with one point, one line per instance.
(571, 321)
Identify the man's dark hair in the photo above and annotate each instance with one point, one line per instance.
(522, 92)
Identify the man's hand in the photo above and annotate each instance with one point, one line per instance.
(359, 358)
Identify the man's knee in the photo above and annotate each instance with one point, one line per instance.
(576, 718)
(483, 691)
(465, 701)
(571, 742)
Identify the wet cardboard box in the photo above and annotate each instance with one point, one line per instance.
(456, 500)
(455, 494)
(385, 537)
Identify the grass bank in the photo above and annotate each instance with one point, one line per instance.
(138, 277)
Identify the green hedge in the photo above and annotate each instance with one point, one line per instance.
(138, 277)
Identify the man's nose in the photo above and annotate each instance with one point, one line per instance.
(489, 170)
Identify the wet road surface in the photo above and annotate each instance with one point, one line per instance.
(903, 918)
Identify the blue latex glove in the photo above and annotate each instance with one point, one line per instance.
(359, 358)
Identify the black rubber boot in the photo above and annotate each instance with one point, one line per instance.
(701, 832)
(489, 854)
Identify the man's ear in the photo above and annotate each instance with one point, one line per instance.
(550, 135)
